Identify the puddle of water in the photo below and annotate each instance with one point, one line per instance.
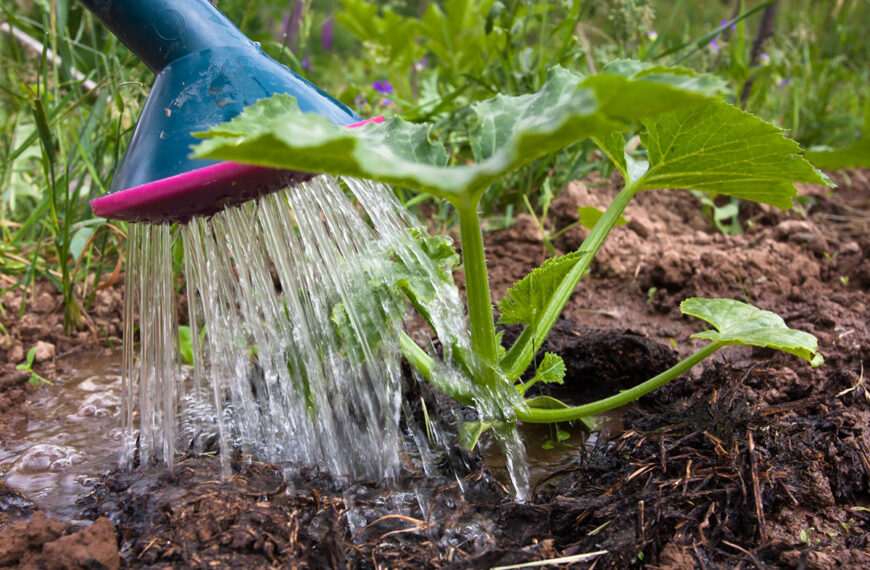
(74, 435)
(545, 453)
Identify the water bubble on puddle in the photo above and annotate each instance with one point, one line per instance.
(47, 457)
(117, 434)
(98, 405)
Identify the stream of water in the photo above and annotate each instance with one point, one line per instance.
(294, 332)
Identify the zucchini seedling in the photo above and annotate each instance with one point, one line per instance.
(692, 139)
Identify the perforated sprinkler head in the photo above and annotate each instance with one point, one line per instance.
(208, 71)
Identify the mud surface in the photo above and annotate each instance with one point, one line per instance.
(753, 460)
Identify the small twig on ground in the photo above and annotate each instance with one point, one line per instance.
(555, 561)
(756, 488)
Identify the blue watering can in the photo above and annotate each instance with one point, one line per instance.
(207, 72)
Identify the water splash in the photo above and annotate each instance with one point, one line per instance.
(294, 327)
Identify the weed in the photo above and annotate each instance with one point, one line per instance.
(27, 366)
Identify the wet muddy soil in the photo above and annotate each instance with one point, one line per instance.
(753, 460)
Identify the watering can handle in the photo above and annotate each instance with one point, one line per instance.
(162, 31)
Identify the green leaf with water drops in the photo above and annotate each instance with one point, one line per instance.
(504, 132)
(719, 148)
(741, 323)
(362, 326)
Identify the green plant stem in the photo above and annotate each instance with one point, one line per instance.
(527, 345)
(546, 416)
(424, 364)
(483, 343)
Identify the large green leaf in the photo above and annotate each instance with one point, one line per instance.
(506, 132)
(741, 323)
(719, 148)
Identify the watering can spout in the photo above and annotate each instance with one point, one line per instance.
(208, 71)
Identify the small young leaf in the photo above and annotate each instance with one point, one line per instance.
(741, 323)
(722, 149)
(31, 355)
(526, 299)
(562, 435)
(470, 432)
(551, 370)
(589, 216)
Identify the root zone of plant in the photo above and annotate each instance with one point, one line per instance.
(724, 481)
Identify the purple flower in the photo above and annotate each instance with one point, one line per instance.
(724, 23)
(326, 35)
(306, 63)
(652, 35)
(420, 65)
(765, 59)
(383, 87)
(783, 82)
(714, 45)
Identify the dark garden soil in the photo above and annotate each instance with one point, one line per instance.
(755, 459)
